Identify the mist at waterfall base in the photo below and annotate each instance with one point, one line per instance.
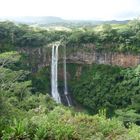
(54, 76)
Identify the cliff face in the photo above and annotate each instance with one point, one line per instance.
(41, 57)
(119, 59)
(36, 58)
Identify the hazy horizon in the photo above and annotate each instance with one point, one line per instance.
(72, 9)
(63, 18)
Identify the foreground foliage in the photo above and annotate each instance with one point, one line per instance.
(62, 123)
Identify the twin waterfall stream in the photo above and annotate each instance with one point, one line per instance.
(54, 76)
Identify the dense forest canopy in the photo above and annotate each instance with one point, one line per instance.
(113, 37)
(107, 97)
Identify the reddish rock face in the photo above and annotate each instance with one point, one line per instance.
(119, 59)
(125, 60)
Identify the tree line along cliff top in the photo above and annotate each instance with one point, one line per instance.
(112, 37)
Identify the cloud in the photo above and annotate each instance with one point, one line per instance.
(72, 9)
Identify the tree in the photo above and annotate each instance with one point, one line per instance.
(10, 80)
(135, 25)
(8, 58)
(107, 34)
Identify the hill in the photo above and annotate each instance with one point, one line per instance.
(50, 20)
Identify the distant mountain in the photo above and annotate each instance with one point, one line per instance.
(50, 20)
(33, 19)
(117, 22)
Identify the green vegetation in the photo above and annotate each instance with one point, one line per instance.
(107, 37)
(106, 87)
(24, 115)
(110, 94)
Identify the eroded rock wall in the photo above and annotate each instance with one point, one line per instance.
(41, 57)
(111, 58)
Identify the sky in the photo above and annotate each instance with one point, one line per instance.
(72, 9)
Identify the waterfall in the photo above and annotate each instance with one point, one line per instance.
(65, 79)
(54, 78)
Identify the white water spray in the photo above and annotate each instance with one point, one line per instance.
(65, 78)
(54, 70)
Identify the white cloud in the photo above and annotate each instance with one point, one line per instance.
(72, 9)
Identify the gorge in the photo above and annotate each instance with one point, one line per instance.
(77, 59)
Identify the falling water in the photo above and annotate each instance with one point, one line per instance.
(54, 78)
(65, 78)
